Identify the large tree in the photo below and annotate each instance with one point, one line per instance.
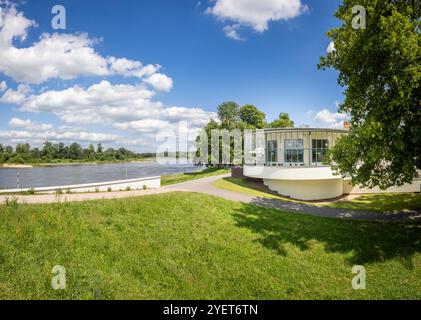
(229, 114)
(252, 117)
(283, 121)
(380, 68)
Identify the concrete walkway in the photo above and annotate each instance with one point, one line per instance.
(205, 186)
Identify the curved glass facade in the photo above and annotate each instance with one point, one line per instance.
(290, 147)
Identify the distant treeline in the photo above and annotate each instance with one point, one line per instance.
(56, 153)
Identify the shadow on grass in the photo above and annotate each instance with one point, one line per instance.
(362, 241)
(251, 184)
(386, 202)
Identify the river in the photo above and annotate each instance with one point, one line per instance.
(85, 173)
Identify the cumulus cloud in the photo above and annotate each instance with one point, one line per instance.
(57, 135)
(3, 86)
(231, 31)
(331, 47)
(28, 124)
(160, 82)
(255, 14)
(56, 56)
(17, 96)
(330, 119)
(126, 107)
(129, 109)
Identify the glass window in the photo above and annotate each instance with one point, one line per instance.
(272, 151)
(294, 151)
(319, 150)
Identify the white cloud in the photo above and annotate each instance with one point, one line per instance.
(28, 124)
(13, 25)
(231, 31)
(160, 82)
(56, 56)
(126, 107)
(3, 86)
(144, 126)
(56, 135)
(255, 14)
(331, 47)
(330, 119)
(17, 96)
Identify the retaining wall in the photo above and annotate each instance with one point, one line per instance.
(133, 184)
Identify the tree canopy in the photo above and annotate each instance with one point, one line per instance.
(52, 153)
(231, 116)
(380, 68)
(283, 121)
(252, 116)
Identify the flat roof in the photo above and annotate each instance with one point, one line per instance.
(269, 130)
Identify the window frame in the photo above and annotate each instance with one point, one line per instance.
(294, 151)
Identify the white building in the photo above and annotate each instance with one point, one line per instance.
(292, 163)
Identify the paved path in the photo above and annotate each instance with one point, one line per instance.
(205, 186)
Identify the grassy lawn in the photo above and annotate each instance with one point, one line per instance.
(193, 246)
(178, 178)
(371, 202)
(382, 202)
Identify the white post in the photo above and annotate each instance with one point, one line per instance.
(18, 180)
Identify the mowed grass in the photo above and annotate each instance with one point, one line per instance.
(388, 202)
(178, 178)
(194, 246)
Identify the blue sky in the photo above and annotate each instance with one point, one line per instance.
(208, 52)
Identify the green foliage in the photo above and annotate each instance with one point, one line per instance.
(229, 114)
(57, 153)
(380, 68)
(232, 117)
(193, 246)
(252, 117)
(283, 121)
(178, 178)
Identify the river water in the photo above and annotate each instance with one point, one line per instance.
(86, 173)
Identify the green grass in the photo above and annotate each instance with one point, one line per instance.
(178, 178)
(245, 186)
(389, 202)
(194, 246)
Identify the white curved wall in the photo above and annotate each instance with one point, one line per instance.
(133, 184)
(415, 186)
(307, 189)
(290, 173)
